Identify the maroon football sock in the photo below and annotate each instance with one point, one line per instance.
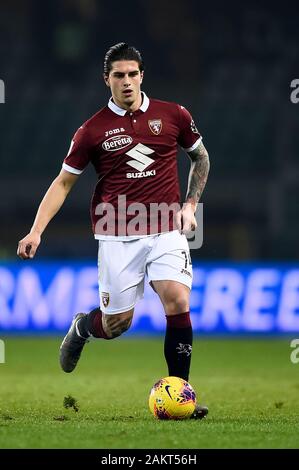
(178, 344)
(91, 324)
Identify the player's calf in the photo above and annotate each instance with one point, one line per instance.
(115, 325)
(106, 326)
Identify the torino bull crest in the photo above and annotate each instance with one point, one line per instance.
(155, 126)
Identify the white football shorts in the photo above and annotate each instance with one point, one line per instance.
(123, 265)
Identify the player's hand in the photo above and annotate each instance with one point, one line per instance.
(28, 245)
(185, 219)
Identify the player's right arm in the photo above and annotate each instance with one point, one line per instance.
(50, 205)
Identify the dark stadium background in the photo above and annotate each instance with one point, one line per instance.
(230, 63)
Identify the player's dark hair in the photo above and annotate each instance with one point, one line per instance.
(121, 51)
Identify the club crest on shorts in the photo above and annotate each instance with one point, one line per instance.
(155, 126)
(105, 298)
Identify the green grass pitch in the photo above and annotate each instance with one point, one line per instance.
(250, 386)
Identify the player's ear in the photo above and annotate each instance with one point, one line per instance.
(141, 76)
(106, 79)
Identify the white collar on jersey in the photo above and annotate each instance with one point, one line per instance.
(121, 112)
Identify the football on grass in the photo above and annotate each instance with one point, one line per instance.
(172, 398)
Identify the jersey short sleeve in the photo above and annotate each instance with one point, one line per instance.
(78, 155)
(189, 137)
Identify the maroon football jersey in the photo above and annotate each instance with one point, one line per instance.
(134, 156)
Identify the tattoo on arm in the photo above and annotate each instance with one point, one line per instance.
(198, 173)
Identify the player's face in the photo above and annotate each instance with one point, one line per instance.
(124, 80)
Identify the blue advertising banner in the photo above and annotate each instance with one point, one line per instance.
(42, 297)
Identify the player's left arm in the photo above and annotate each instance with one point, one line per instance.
(200, 165)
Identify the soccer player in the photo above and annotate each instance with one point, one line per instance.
(132, 144)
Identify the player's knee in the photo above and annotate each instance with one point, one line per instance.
(176, 305)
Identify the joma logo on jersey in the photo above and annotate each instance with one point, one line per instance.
(141, 161)
(114, 131)
(117, 142)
